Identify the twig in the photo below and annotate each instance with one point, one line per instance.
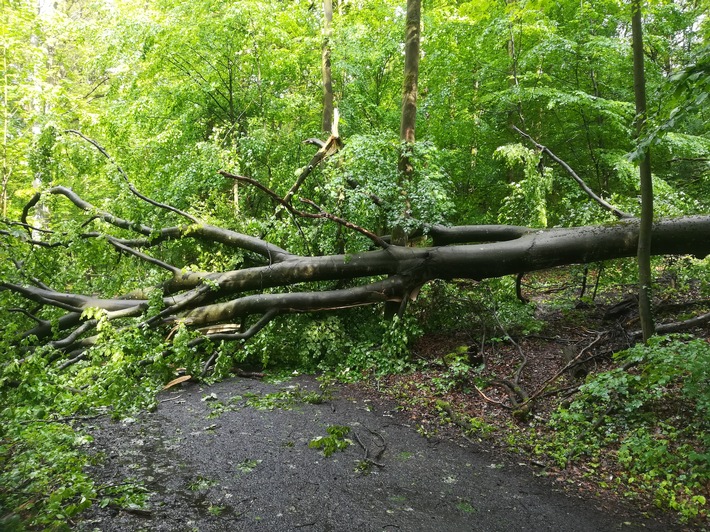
(62, 419)
(492, 401)
(571, 363)
(21, 268)
(604, 204)
(367, 452)
(290, 208)
(516, 378)
(383, 448)
(324, 214)
(128, 182)
(71, 361)
(29, 315)
(171, 399)
(147, 258)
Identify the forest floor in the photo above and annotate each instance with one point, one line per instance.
(248, 454)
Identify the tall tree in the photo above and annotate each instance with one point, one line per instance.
(645, 227)
(325, 62)
(411, 78)
(407, 124)
(5, 176)
(21, 63)
(409, 105)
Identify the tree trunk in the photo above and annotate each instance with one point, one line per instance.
(204, 299)
(409, 105)
(644, 242)
(5, 121)
(411, 78)
(325, 64)
(408, 123)
(514, 114)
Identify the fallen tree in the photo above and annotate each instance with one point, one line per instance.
(236, 304)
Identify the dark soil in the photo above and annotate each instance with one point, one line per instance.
(236, 456)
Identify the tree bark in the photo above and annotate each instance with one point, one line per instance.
(251, 295)
(645, 228)
(408, 124)
(325, 64)
(6, 119)
(411, 78)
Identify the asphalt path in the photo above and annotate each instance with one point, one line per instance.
(236, 456)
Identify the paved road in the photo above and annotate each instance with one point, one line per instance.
(214, 461)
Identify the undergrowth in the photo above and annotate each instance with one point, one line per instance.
(46, 405)
(653, 412)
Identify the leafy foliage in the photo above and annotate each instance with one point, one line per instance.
(526, 203)
(41, 439)
(175, 91)
(655, 410)
(335, 441)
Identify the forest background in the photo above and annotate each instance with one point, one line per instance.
(111, 98)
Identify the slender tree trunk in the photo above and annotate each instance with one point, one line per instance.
(409, 100)
(411, 78)
(644, 243)
(515, 111)
(407, 126)
(6, 117)
(325, 63)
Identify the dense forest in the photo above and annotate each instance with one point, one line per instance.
(195, 189)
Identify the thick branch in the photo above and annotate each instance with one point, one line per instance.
(463, 234)
(216, 302)
(391, 289)
(70, 339)
(678, 326)
(72, 302)
(200, 231)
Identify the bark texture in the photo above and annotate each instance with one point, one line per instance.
(645, 227)
(325, 65)
(236, 304)
(411, 71)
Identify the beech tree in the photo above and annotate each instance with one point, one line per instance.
(236, 304)
(239, 94)
(325, 66)
(201, 211)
